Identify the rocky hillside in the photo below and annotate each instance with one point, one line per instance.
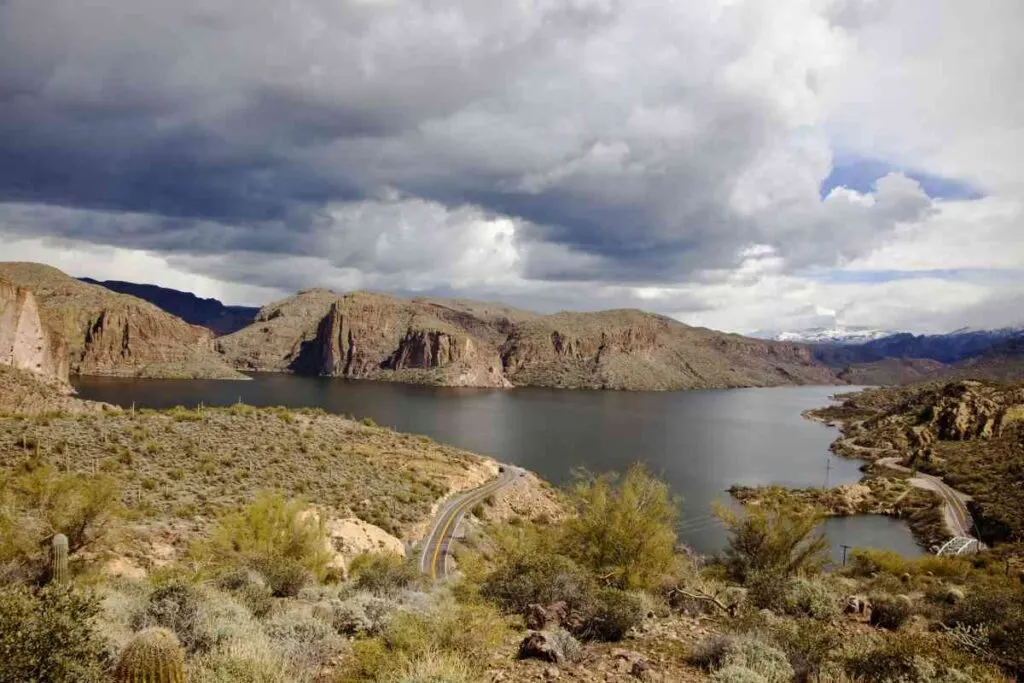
(970, 433)
(208, 313)
(114, 334)
(460, 343)
(25, 342)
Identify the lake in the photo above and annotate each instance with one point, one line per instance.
(700, 442)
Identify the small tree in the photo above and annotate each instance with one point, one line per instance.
(773, 542)
(624, 530)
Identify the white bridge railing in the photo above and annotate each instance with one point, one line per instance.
(960, 545)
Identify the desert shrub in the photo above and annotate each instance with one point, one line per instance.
(274, 535)
(519, 581)
(250, 589)
(285, 576)
(737, 674)
(50, 635)
(808, 645)
(233, 667)
(624, 530)
(868, 561)
(306, 641)
(472, 632)
(568, 648)
(998, 616)
(361, 614)
(812, 598)
(767, 589)
(903, 657)
(176, 606)
(773, 541)
(611, 614)
(435, 667)
(889, 611)
(383, 573)
(760, 658)
(743, 652)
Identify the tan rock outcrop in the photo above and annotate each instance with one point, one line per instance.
(116, 334)
(25, 342)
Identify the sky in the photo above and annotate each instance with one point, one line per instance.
(737, 164)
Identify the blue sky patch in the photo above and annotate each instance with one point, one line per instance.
(862, 174)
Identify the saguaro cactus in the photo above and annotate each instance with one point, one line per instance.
(59, 560)
(152, 656)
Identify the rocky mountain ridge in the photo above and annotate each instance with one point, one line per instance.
(208, 313)
(462, 343)
(106, 333)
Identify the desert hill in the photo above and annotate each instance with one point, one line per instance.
(107, 333)
(463, 343)
(208, 313)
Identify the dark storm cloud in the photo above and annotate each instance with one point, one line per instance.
(613, 132)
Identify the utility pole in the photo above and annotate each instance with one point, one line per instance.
(845, 548)
(828, 470)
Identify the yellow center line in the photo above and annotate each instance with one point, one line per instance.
(455, 512)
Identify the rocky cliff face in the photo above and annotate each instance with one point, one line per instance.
(116, 334)
(460, 343)
(25, 342)
(364, 336)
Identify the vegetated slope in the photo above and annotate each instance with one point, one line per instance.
(461, 343)
(25, 342)
(116, 334)
(970, 433)
(208, 313)
(892, 371)
(24, 392)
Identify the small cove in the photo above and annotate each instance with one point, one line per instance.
(701, 442)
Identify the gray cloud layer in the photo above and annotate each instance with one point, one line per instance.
(428, 143)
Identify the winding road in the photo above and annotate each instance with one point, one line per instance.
(436, 546)
(958, 519)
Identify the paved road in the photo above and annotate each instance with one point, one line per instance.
(958, 519)
(434, 557)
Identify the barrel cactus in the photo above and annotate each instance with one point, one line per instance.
(152, 656)
(59, 560)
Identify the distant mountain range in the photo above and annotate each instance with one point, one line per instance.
(869, 356)
(832, 335)
(208, 313)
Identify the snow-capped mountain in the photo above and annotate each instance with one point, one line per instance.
(838, 334)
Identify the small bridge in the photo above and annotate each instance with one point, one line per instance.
(960, 545)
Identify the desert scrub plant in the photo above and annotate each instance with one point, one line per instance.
(153, 656)
(743, 652)
(624, 530)
(59, 559)
(306, 641)
(434, 667)
(282, 538)
(611, 615)
(362, 614)
(908, 657)
(176, 606)
(524, 579)
(50, 635)
(890, 611)
(773, 541)
(812, 598)
(737, 674)
(383, 573)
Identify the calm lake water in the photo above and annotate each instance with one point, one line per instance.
(701, 442)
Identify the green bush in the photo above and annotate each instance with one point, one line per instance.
(363, 614)
(812, 598)
(522, 580)
(276, 534)
(624, 530)
(383, 573)
(176, 606)
(49, 635)
(307, 642)
(730, 654)
(611, 615)
(808, 645)
(285, 576)
(890, 611)
(904, 657)
(774, 542)
(768, 589)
